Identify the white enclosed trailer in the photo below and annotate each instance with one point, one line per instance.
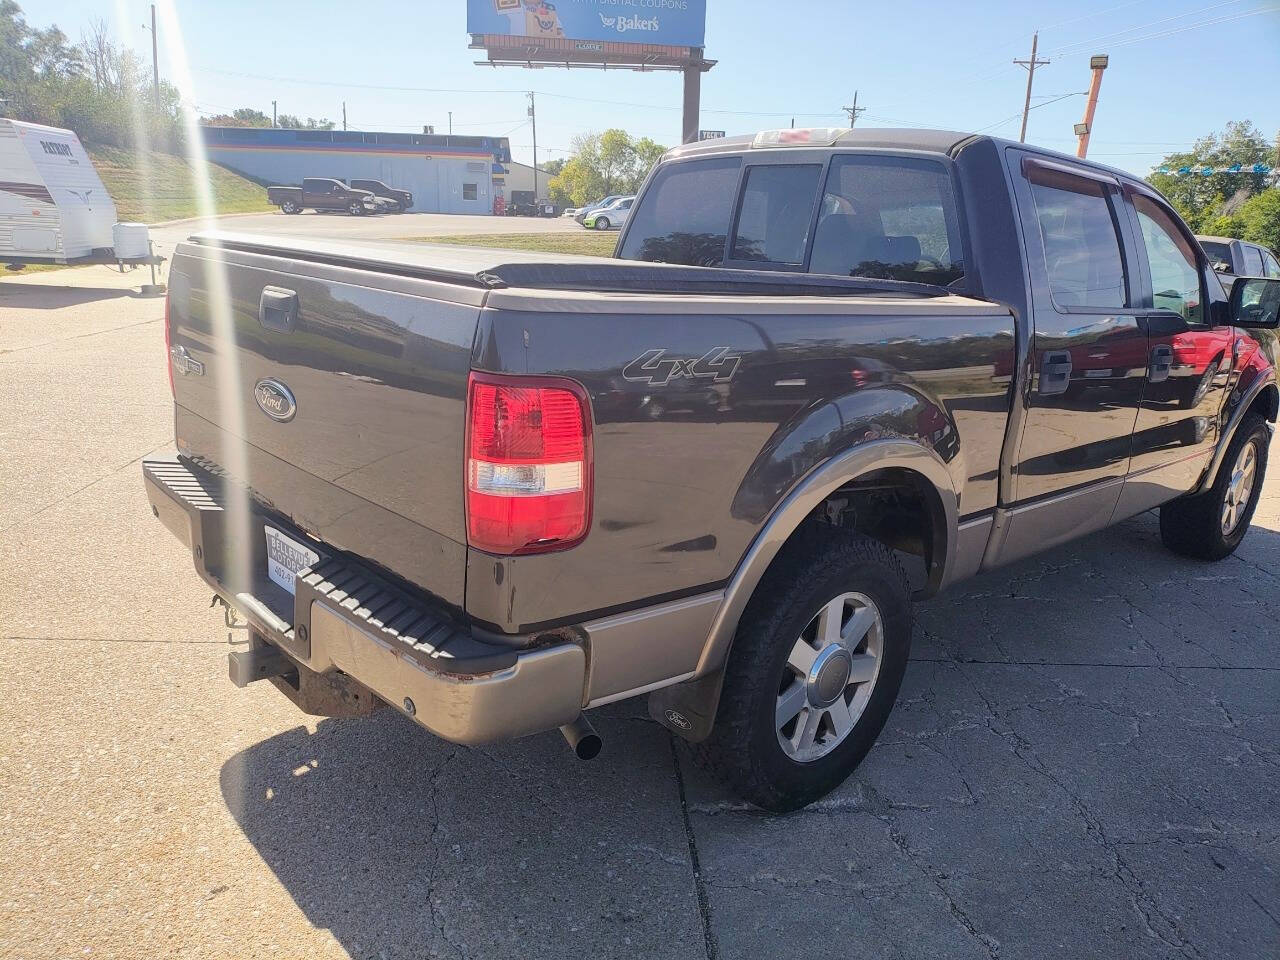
(53, 206)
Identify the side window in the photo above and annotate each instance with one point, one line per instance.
(776, 210)
(1252, 261)
(1171, 255)
(1270, 265)
(1081, 246)
(683, 216)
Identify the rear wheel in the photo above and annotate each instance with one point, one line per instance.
(602, 223)
(815, 668)
(290, 207)
(1210, 525)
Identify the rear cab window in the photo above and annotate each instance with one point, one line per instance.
(881, 217)
(1219, 254)
(685, 214)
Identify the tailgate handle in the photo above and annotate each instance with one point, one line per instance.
(278, 309)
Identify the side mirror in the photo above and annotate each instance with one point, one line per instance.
(1255, 303)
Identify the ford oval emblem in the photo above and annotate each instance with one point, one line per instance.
(275, 400)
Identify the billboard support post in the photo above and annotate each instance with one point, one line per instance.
(692, 105)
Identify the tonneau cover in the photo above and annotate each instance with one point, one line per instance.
(489, 268)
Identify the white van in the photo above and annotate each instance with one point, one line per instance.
(53, 207)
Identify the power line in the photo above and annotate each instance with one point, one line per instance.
(1143, 26)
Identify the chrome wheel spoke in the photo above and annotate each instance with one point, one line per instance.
(790, 702)
(841, 719)
(863, 619)
(806, 730)
(864, 667)
(801, 657)
(830, 620)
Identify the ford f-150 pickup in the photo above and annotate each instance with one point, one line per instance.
(827, 372)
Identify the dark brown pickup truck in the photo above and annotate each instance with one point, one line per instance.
(322, 193)
(827, 372)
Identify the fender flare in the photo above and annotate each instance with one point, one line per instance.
(1268, 379)
(801, 501)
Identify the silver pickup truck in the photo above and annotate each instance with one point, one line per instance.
(827, 372)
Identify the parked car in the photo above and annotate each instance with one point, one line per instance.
(611, 217)
(398, 200)
(569, 212)
(323, 193)
(694, 484)
(524, 204)
(1240, 258)
(583, 211)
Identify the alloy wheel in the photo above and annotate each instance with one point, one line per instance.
(1243, 476)
(829, 675)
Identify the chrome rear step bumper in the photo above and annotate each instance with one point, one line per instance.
(414, 654)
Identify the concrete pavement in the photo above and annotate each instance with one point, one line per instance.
(1083, 762)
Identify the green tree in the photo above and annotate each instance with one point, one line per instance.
(1201, 198)
(603, 164)
(243, 117)
(1260, 217)
(290, 122)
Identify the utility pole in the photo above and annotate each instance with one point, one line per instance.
(451, 123)
(344, 114)
(853, 111)
(533, 119)
(155, 59)
(1097, 64)
(1031, 75)
(273, 114)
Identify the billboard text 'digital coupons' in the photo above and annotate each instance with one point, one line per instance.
(672, 22)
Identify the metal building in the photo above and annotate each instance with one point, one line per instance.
(445, 174)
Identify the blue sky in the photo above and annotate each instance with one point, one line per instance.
(1179, 68)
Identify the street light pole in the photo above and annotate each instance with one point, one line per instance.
(1083, 130)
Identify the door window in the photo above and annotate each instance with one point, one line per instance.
(1171, 256)
(1081, 246)
(1270, 265)
(776, 210)
(1252, 261)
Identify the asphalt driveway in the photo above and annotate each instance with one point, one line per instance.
(1083, 762)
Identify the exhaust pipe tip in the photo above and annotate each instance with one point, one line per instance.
(582, 738)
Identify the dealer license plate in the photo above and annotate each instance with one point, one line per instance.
(285, 557)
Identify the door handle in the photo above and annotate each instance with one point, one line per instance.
(278, 309)
(1161, 363)
(1055, 372)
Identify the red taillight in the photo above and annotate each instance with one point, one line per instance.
(168, 357)
(528, 473)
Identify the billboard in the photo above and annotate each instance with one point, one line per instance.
(663, 22)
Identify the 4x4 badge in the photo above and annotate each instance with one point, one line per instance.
(651, 367)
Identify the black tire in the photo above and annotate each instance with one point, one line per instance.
(744, 749)
(355, 208)
(1193, 525)
(602, 223)
(290, 207)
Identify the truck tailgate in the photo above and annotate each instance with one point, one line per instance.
(336, 395)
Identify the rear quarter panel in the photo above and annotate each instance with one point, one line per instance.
(707, 411)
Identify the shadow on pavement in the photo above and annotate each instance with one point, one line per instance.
(1081, 763)
(47, 296)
